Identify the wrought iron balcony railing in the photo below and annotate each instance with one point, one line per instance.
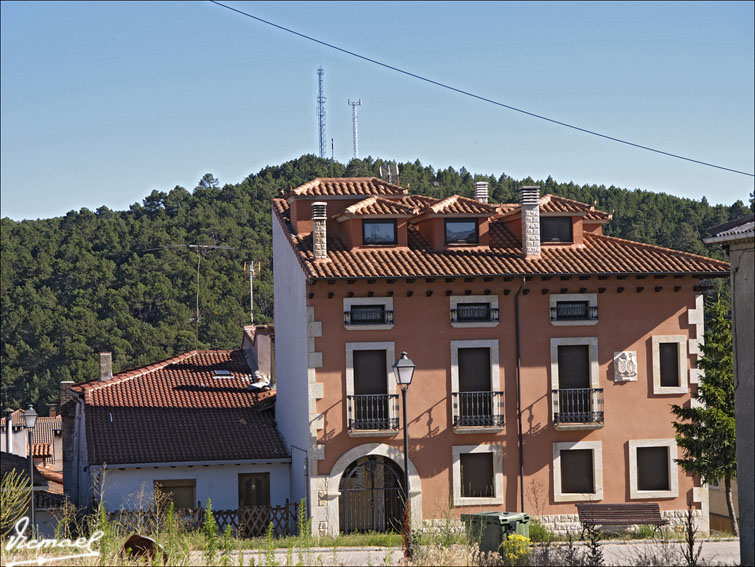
(473, 313)
(372, 412)
(574, 311)
(578, 406)
(477, 409)
(368, 315)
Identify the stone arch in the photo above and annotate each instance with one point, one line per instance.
(380, 449)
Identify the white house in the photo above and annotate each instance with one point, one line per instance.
(199, 425)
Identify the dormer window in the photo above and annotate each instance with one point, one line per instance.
(555, 229)
(379, 232)
(462, 231)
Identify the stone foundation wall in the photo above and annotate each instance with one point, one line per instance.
(562, 523)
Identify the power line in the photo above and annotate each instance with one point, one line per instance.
(478, 97)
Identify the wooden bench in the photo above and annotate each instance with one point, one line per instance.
(621, 515)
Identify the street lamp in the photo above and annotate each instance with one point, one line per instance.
(30, 417)
(403, 368)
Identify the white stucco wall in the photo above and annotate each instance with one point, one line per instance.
(291, 364)
(219, 483)
(18, 440)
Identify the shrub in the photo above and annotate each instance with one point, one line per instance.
(539, 533)
(515, 550)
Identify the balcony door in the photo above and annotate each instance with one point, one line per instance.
(475, 396)
(370, 390)
(574, 383)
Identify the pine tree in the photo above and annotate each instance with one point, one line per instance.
(706, 431)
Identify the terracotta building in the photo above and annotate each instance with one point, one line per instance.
(546, 354)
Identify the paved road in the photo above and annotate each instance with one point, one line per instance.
(614, 553)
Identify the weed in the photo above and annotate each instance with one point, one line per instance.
(270, 546)
(690, 553)
(594, 549)
(539, 533)
(210, 531)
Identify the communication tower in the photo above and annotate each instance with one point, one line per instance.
(321, 110)
(354, 119)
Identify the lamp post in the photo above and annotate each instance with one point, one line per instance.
(403, 368)
(30, 418)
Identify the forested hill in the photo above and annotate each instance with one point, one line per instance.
(76, 285)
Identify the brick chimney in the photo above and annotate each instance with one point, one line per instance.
(106, 366)
(528, 199)
(481, 191)
(319, 230)
(53, 410)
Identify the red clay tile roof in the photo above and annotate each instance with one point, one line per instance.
(346, 186)
(600, 255)
(379, 206)
(17, 419)
(458, 205)
(42, 449)
(44, 429)
(179, 410)
(555, 204)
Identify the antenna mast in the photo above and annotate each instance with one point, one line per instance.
(321, 110)
(354, 120)
(253, 272)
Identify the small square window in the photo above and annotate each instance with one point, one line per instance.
(652, 468)
(379, 232)
(477, 475)
(577, 472)
(555, 229)
(461, 231)
(368, 315)
(469, 312)
(181, 492)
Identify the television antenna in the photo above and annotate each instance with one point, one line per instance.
(198, 248)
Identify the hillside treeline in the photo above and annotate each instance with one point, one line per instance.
(120, 281)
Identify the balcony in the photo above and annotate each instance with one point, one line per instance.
(367, 315)
(475, 411)
(574, 311)
(578, 408)
(370, 413)
(474, 313)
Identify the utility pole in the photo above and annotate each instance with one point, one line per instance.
(198, 248)
(354, 120)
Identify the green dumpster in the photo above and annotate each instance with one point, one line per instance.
(490, 529)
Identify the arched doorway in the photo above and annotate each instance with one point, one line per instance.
(372, 494)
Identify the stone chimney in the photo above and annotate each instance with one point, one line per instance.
(481, 191)
(53, 410)
(106, 366)
(528, 199)
(65, 392)
(319, 230)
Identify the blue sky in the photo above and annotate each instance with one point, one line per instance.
(104, 102)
